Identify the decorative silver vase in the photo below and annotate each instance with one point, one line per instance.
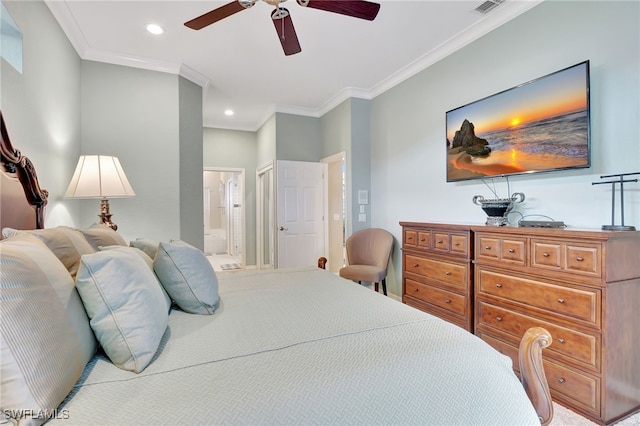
(497, 208)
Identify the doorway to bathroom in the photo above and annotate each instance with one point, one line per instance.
(224, 218)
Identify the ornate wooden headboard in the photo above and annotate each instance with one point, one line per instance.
(22, 201)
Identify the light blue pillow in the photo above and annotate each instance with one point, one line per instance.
(148, 261)
(125, 304)
(188, 277)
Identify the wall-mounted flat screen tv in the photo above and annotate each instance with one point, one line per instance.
(538, 126)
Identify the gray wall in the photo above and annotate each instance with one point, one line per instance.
(134, 114)
(41, 106)
(191, 161)
(61, 107)
(408, 129)
(347, 128)
(266, 140)
(298, 138)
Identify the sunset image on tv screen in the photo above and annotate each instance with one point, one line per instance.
(538, 126)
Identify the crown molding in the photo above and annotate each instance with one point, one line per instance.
(63, 15)
(497, 17)
(494, 19)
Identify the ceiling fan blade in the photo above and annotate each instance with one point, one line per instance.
(217, 14)
(356, 8)
(286, 32)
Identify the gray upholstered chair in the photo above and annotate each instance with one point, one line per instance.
(368, 253)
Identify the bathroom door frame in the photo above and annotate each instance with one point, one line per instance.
(243, 226)
(265, 201)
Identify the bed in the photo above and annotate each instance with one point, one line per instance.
(289, 346)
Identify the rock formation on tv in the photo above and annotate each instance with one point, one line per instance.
(466, 140)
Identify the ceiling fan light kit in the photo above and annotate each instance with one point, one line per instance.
(282, 18)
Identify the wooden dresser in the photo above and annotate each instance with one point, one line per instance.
(584, 288)
(437, 272)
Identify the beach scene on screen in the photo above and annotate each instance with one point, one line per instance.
(538, 126)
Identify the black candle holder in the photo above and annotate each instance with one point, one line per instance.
(621, 180)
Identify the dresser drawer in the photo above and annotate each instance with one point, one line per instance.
(580, 258)
(512, 250)
(567, 384)
(573, 387)
(410, 238)
(451, 243)
(583, 304)
(452, 302)
(450, 274)
(424, 239)
(570, 345)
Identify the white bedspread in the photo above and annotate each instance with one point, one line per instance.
(305, 347)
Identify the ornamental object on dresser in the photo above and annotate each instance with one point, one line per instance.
(621, 180)
(498, 208)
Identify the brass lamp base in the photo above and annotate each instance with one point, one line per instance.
(105, 215)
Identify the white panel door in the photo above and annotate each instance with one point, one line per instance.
(300, 212)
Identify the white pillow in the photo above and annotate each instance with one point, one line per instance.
(45, 338)
(188, 277)
(126, 305)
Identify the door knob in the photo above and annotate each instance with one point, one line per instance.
(282, 228)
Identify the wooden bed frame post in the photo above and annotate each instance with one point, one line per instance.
(16, 163)
(532, 371)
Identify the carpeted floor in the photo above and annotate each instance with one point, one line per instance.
(564, 417)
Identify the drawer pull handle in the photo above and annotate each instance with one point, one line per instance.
(561, 380)
(423, 239)
(447, 273)
(415, 290)
(440, 242)
(415, 265)
(545, 254)
(580, 258)
(560, 300)
(487, 247)
(511, 250)
(447, 301)
(457, 244)
(499, 285)
(561, 341)
(498, 319)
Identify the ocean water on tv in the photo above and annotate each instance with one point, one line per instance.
(564, 135)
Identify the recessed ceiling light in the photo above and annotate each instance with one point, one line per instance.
(228, 112)
(155, 29)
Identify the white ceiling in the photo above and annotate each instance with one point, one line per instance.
(239, 60)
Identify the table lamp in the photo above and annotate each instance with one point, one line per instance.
(100, 176)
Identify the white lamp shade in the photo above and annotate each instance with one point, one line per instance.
(99, 176)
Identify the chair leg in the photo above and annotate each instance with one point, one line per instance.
(384, 286)
(376, 287)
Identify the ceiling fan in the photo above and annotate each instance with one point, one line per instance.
(282, 19)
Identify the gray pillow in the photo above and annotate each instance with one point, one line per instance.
(45, 339)
(66, 243)
(101, 235)
(188, 277)
(126, 305)
(150, 247)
